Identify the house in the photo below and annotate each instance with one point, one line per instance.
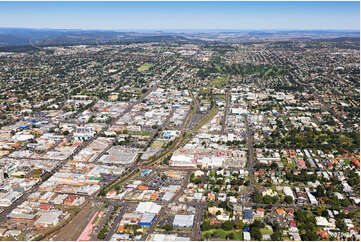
(292, 224)
(259, 213)
(269, 192)
(288, 192)
(246, 236)
(295, 236)
(45, 206)
(69, 200)
(323, 222)
(312, 199)
(280, 211)
(266, 237)
(213, 210)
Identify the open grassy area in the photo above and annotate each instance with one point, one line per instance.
(120, 181)
(142, 133)
(208, 118)
(222, 234)
(32, 72)
(145, 67)
(220, 96)
(266, 231)
(219, 82)
(157, 144)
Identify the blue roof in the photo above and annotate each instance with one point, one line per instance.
(24, 127)
(146, 172)
(145, 224)
(247, 214)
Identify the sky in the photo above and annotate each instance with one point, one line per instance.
(182, 15)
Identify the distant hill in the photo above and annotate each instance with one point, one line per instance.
(19, 39)
(44, 37)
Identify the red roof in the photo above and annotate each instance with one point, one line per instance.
(45, 206)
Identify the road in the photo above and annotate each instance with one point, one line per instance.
(250, 157)
(224, 118)
(165, 206)
(115, 222)
(7, 210)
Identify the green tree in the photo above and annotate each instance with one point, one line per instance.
(288, 199)
(341, 225)
(168, 227)
(257, 197)
(256, 234)
(276, 236)
(228, 225)
(267, 199)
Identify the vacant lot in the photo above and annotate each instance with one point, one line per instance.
(72, 230)
(157, 144)
(145, 67)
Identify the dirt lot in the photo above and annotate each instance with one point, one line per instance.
(73, 229)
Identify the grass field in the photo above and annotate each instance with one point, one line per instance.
(222, 234)
(157, 144)
(220, 96)
(143, 133)
(32, 72)
(266, 231)
(208, 118)
(145, 67)
(220, 81)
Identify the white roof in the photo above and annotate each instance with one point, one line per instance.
(183, 220)
(51, 217)
(246, 236)
(321, 221)
(148, 207)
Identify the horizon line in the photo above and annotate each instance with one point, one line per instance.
(155, 29)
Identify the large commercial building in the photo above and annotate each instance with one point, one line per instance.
(183, 221)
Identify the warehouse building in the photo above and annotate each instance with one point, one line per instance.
(183, 221)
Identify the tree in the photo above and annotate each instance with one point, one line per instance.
(256, 234)
(228, 225)
(320, 191)
(345, 202)
(231, 235)
(206, 225)
(239, 225)
(310, 236)
(168, 227)
(102, 193)
(257, 197)
(102, 233)
(267, 199)
(288, 199)
(276, 236)
(274, 166)
(341, 225)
